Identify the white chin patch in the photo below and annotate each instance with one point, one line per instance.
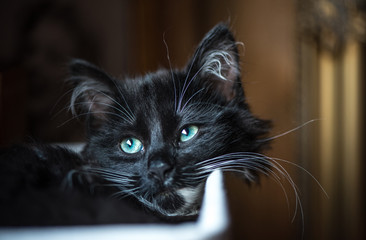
(192, 199)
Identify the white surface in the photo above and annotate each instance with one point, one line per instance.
(212, 223)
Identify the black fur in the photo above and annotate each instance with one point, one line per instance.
(35, 191)
(166, 174)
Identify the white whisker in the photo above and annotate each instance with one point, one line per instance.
(85, 114)
(240, 162)
(171, 72)
(127, 111)
(185, 88)
(289, 131)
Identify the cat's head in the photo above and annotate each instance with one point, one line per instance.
(157, 137)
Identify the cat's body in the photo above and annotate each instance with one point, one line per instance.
(156, 138)
(39, 188)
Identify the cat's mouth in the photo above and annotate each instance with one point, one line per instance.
(169, 200)
(164, 193)
(184, 201)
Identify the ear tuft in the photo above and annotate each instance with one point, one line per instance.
(221, 64)
(91, 94)
(217, 59)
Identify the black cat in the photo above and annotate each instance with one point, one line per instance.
(154, 138)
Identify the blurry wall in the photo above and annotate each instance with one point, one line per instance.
(281, 64)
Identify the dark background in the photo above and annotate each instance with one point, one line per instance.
(286, 42)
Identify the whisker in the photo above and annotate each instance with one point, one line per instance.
(131, 117)
(191, 98)
(275, 161)
(124, 182)
(94, 112)
(127, 119)
(192, 62)
(78, 91)
(129, 111)
(57, 102)
(289, 131)
(185, 88)
(125, 192)
(233, 162)
(171, 72)
(109, 173)
(306, 171)
(287, 176)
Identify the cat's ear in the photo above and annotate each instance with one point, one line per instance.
(92, 92)
(217, 59)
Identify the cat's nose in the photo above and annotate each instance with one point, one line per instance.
(159, 170)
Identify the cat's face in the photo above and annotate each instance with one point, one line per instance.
(158, 137)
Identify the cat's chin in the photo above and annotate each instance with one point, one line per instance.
(176, 203)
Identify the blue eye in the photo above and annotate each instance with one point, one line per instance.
(131, 145)
(188, 133)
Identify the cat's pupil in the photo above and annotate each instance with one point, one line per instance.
(129, 143)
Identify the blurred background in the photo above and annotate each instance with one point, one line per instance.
(303, 61)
